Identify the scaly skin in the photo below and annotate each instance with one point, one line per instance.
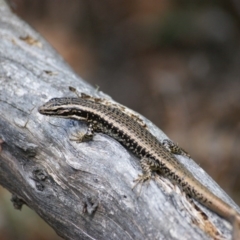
(136, 138)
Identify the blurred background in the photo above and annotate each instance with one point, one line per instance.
(177, 62)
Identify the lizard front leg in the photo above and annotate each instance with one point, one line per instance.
(83, 137)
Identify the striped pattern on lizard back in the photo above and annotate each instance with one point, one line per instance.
(115, 123)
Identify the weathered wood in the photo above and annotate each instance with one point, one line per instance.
(84, 191)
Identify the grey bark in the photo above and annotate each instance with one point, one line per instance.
(84, 191)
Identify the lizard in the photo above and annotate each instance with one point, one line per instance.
(155, 156)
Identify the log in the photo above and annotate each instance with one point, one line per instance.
(84, 191)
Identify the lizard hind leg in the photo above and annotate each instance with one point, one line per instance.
(147, 165)
(174, 148)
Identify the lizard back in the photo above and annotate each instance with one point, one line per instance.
(119, 125)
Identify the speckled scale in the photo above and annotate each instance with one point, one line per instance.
(136, 138)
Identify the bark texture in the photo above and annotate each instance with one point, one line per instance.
(84, 191)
